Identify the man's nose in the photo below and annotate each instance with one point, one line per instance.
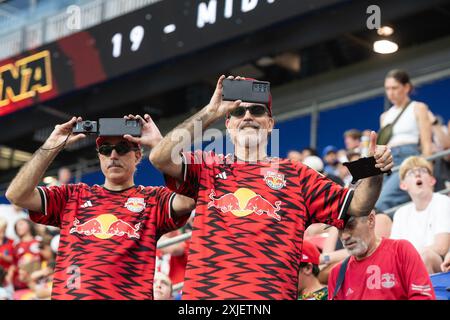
(114, 154)
(345, 235)
(248, 115)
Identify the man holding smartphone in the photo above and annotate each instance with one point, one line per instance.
(108, 233)
(252, 209)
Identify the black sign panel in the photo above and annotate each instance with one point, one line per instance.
(171, 28)
(149, 36)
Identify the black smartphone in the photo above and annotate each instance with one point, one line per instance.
(363, 168)
(119, 127)
(246, 90)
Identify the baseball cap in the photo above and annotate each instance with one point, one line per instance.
(310, 253)
(328, 149)
(314, 162)
(100, 140)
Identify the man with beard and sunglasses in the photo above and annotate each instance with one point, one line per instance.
(252, 209)
(378, 268)
(109, 232)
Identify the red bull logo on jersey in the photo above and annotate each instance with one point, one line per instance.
(135, 204)
(244, 202)
(106, 226)
(274, 180)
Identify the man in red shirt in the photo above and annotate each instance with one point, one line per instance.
(172, 259)
(108, 233)
(252, 209)
(379, 268)
(309, 286)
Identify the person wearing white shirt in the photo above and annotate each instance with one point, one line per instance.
(11, 213)
(425, 222)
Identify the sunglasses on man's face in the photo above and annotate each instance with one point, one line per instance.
(121, 148)
(255, 110)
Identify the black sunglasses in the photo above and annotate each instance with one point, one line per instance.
(121, 148)
(255, 110)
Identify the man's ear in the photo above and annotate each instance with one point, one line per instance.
(403, 186)
(271, 124)
(372, 218)
(308, 269)
(138, 155)
(433, 181)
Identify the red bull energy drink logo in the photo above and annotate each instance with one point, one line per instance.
(244, 202)
(274, 180)
(106, 226)
(135, 204)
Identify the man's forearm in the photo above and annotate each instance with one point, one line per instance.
(161, 154)
(365, 196)
(30, 175)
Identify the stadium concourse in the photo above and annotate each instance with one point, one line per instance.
(331, 86)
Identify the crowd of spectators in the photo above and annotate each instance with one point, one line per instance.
(410, 206)
(420, 216)
(27, 252)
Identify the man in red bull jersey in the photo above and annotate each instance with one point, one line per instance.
(108, 233)
(251, 209)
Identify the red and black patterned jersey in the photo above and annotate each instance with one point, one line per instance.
(108, 239)
(249, 224)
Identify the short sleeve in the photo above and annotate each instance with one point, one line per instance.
(442, 217)
(326, 201)
(193, 164)
(165, 220)
(53, 202)
(417, 281)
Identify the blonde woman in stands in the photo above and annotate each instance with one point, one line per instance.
(411, 136)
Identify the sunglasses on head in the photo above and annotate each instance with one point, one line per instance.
(121, 148)
(255, 110)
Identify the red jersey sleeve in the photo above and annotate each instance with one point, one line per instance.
(165, 220)
(193, 165)
(326, 201)
(417, 281)
(54, 200)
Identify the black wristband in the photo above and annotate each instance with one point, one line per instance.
(363, 168)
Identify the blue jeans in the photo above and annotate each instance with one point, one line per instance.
(391, 194)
